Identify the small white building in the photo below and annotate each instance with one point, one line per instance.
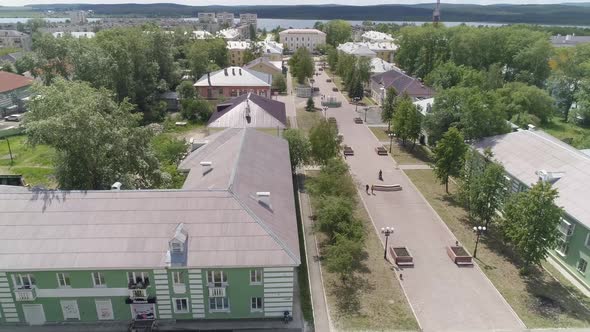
(376, 37)
(201, 34)
(229, 34)
(293, 39)
(75, 34)
(383, 50)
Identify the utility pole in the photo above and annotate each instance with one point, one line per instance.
(10, 151)
(436, 14)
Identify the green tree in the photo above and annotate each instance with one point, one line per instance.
(355, 88)
(333, 180)
(406, 120)
(299, 147)
(482, 186)
(570, 67)
(301, 64)
(98, 141)
(332, 57)
(186, 90)
(6, 66)
(26, 63)
(517, 98)
(388, 108)
(252, 33)
(279, 83)
(195, 109)
(530, 222)
(343, 257)
(449, 156)
(310, 106)
(324, 142)
(337, 32)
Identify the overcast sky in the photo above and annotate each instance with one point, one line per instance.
(263, 2)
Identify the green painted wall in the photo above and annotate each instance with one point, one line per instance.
(577, 249)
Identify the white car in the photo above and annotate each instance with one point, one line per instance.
(14, 117)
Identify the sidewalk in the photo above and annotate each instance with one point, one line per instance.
(443, 296)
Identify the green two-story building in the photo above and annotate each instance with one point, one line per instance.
(225, 246)
(529, 156)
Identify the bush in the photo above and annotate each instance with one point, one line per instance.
(196, 110)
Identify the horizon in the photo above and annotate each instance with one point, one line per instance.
(21, 3)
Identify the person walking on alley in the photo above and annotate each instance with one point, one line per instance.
(367, 189)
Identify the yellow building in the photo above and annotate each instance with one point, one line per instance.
(236, 50)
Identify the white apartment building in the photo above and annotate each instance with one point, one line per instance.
(78, 17)
(293, 39)
(206, 17)
(247, 19)
(225, 19)
(376, 37)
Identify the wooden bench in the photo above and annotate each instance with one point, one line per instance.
(348, 151)
(358, 120)
(387, 187)
(381, 151)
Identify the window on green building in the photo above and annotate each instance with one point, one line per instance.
(216, 278)
(178, 277)
(218, 304)
(582, 264)
(63, 280)
(255, 304)
(562, 247)
(181, 305)
(135, 278)
(255, 276)
(25, 280)
(98, 279)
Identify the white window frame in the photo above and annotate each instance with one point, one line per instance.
(101, 280)
(178, 277)
(180, 300)
(108, 303)
(216, 309)
(582, 271)
(257, 274)
(254, 304)
(560, 247)
(63, 279)
(214, 283)
(587, 240)
(19, 280)
(135, 275)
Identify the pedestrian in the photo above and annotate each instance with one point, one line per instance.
(367, 189)
(380, 175)
(401, 276)
(372, 190)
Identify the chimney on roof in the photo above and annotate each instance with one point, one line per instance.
(240, 70)
(531, 126)
(233, 71)
(116, 186)
(207, 166)
(263, 198)
(225, 71)
(209, 78)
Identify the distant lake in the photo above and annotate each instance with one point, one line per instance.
(271, 23)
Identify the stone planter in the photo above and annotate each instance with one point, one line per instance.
(459, 256)
(401, 256)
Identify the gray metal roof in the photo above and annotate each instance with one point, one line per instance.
(263, 113)
(524, 152)
(235, 76)
(226, 224)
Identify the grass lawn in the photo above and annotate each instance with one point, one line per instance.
(302, 275)
(570, 133)
(306, 120)
(374, 300)
(34, 163)
(538, 299)
(403, 155)
(8, 50)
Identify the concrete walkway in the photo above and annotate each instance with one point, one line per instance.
(443, 296)
(321, 315)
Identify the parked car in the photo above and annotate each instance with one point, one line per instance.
(329, 80)
(335, 89)
(14, 117)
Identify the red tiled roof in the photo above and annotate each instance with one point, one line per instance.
(10, 81)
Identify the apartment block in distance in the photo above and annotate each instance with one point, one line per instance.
(224, 247)
(293, 39)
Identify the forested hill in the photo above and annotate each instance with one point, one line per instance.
(541, 14)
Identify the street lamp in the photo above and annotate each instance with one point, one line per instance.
(326, 112)
(366, 109)
(478, 230)
(391, 135)
(356, 103)
(387, 231)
